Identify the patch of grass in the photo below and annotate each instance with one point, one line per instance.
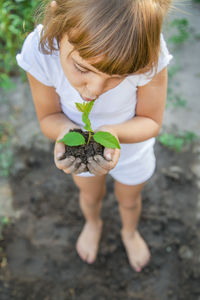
(172, 71)
(16, 21)
(176, 141)
(182, 31)
(3, 222)
(173, 99)
(197, 36)
(6, 82)
(6, 154)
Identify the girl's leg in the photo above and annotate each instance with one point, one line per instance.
(130, 205)
(92, 191)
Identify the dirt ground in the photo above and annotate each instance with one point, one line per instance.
(40, 245)
(38, 260)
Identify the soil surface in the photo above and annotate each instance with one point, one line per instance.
(40, 246)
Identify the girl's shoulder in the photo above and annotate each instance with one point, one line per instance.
(164, 59)
(36, 36)
(36, 33)
(31, 59)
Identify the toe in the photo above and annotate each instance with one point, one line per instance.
(138, 270)
(136, 266)
(81, 252)
(91, 258)
(146, 261)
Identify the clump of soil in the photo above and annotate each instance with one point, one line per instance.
(84, 151)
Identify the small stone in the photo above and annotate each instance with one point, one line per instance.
(198, 183)
(17, 167)
(168, 249)
(71, 291)
(176, 169)
(196, 169)
(196, 149)
(176, 173)
(185, 252)
(32, 161)
(4, 262)
(173, 172)
(170, 293)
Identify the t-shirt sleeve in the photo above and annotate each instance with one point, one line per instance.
(164, 59)
(32, 60)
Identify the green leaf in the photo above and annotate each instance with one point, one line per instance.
(85, 108)
(86, 121)
(80, 107)
(73, 139)
(85, 116)
(6, 82)
(106, 139)
(89, 106)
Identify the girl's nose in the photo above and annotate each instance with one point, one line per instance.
(96, 86)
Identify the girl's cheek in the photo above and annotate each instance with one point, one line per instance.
(70, 74)
(74, 78)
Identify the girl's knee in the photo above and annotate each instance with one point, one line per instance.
(91, 197)
(128, 196)
(129, 202)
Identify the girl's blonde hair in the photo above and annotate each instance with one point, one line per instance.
(124, 35)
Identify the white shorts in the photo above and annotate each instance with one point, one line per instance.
(132, 169)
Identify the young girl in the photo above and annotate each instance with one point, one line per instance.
(112, 52)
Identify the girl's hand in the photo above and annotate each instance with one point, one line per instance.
(69, 164)
(99, 165)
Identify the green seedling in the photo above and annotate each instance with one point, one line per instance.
(176, 142)
(106, 139)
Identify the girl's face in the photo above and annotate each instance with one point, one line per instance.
(87, 80)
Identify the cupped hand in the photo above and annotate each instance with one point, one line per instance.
(99, 165)
(69, 164)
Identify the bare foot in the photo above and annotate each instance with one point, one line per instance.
(137, 249)
(88, 242)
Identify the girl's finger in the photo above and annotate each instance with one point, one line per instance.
(65, 163)
(74, 167)
(108, 165)
(92, 170)
(95, 168)
(108, 153)
(59, 150)
(81, 169)
(116, 156)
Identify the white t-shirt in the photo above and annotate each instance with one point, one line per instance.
(114, 106)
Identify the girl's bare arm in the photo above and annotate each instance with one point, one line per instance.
(149, 112)
(53, 123)
(47, 104)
